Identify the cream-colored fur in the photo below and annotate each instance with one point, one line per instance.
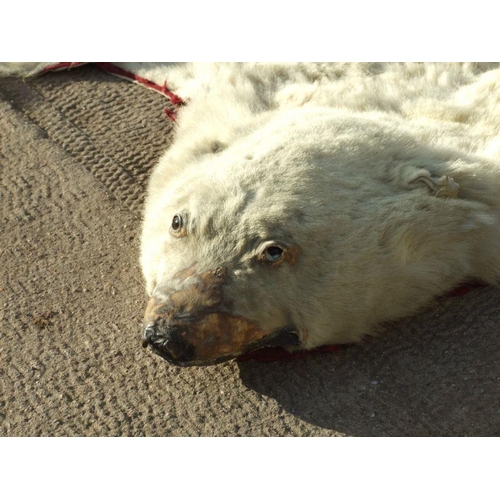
(386, 177)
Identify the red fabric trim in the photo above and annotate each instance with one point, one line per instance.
(115, 70)
(464, 289)
(62, 65)
(171, 115)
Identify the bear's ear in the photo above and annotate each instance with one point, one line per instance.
(417, 178)
(442, 187)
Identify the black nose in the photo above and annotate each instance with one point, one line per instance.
(167, 342)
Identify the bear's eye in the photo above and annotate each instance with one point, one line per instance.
(177, 223)
(273, 253)
(178, 226)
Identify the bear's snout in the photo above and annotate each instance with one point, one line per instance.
(189, 321)
(168, 343)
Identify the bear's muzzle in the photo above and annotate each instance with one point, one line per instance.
(189, 322)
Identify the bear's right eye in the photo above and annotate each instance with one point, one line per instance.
(273, 253)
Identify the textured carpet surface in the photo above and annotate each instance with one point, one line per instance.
(75, 151)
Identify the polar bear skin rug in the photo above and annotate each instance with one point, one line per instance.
(304, 204)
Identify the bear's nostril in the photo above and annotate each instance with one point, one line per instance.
(148, 336)
(167, 342)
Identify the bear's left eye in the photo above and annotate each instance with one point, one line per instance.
(178, 226)
(177, 223)
(273, 253)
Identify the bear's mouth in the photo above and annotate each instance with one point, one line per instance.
(161, 346)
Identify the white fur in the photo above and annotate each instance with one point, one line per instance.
(386, 177)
